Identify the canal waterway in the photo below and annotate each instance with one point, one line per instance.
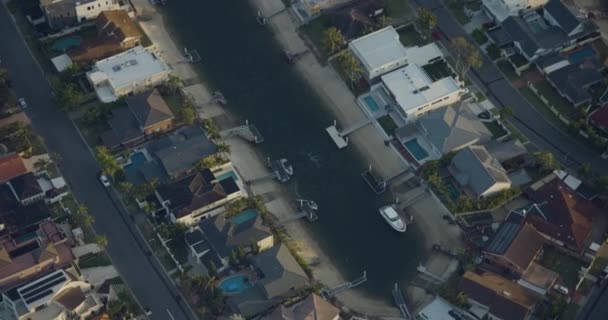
(245, 62)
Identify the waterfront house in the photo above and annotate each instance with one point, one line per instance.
(426, 83)
(572, 81)
(116, 32)
(478, 173)
(442, 131)
(494, 297)
(23, 259)
(143, 115)
(499, 10)
(57, 295)
(599, 118)
(312, 307)
(133, 71)
(440, 309)
(514, 247)
(64, 13)
(559, 213)
(11, 166)
(197, 196)
(281, 278)
(379, 52)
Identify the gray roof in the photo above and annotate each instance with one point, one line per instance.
(519, 31)
(476, 168)
(193, 237)
(250, 302)
(454, 127)
(564, 17)
(124, 127)
(225, 235)
(506, 150)
(503, 238)
(549, 60)
(149, 108)
(281, 271)
(573, 80)
(500, 36)
(181, 150)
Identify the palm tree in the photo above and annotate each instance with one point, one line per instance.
(173, 83)
(41, 164)
(350, 65)
(83, 218)
(333, 39)
(102, 242)
(586, 171)
(223, 149)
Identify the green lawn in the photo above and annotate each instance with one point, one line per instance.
(480, 96)
(175, 101)
(409, 36)
(566, 266)
(314, 31)
(507, 69)
(479, 36)
(562, 105)
(398, 8)
(495, 128)
(457, 8)
(387, 124)
(94, 260)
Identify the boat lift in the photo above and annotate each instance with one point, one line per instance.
(281, 170)
(308, 208)
(340, 138)
(400, 301)
(330, 292)
(217, 97)
(378, 184)
(249, 132)
(192, 55)
(264, 20)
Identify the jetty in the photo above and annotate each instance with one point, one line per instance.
(374, 181)
(248, 132)
(192, 56)
(330, 292)
(308, 208)
(293, 57)
(340, 138)
(280, 170)
(400, 302)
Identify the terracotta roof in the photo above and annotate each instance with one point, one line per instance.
(10, 167)
(559, 212)
(600, 117)
(506, 299)
(149, 108)
(519, 244)
(118, 23)
(70, 298)
(91, 50)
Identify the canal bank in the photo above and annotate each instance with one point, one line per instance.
(245, 62)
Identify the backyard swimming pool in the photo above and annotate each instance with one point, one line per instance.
(227, 175)
(581, 54)
(244, 216)
(64, 44)
(235, 284)
(372, 105)
(137, 159)
(416, 150)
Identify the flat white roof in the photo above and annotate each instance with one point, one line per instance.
(130, 66)
(61, 62)
(439, 309)
(422, 55)
(378, 48)
(412, 87)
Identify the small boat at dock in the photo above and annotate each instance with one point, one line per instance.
(390, 214)
(287, 166)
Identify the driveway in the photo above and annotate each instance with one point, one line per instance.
(525, 118)
(126, 249)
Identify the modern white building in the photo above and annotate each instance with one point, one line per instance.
(502, 9)
(132, 71)
(90, 9)
(379, 52)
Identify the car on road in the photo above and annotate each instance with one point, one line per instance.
(104, 180)
(604, 274)
(22, 103)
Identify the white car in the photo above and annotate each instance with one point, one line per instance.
(22, 103)
(561, 289)
(104, 180)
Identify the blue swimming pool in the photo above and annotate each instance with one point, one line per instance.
(416, 150)
(235, 284)
(64, 44)
(582, 54)
(371, 103)
(227, 175)
(244, 216)
(137, 159)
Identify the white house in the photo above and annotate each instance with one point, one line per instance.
(379, 52)
(90, 9)
(132, 71)
(502, 9)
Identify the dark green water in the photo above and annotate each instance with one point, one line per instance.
(244, 61)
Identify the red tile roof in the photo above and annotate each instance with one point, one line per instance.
(10, 167)
(600, 117)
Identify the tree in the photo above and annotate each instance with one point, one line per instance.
(212, 130)
(333, 40)
(602, 183)
(466, 55)
(173, 83)
(102, 242)
(114, 308)
(125, 187)
(109, 165)
(150, 207)
(585, 171)
(41, 164)
(545, 160)
(223, 149)
(233, 259)
(212, 269)
(426, 19)
(188, 115)
(67, 96)
(350, 65)
(82, 217)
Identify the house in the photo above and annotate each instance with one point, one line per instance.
(196, 196)
(133, 71)
(56, 295)
(144, 114)
(573, 81)
(538, 279)
(440, 309)
(495, 297)
(307, 9)
(499, 10)
(116, 32)
(26, 188)
(558, 213)
(415, 89)
(354, 18)
(445, 130)
(504, 151)
(599, 118)
(22, 260)
(282, 277)
(16, 218)
(11, 166)
(379, 52)
(312, 307)
(476, 171)
(64, 13)
(514, 247)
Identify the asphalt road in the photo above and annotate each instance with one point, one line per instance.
(128, 252)
(525, 118)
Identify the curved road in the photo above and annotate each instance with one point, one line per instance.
(525, 118)
(129, 254)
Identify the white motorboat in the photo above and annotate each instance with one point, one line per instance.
(392, 217)
(287, 166)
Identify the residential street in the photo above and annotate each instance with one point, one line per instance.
(525, 118)
(141, 273)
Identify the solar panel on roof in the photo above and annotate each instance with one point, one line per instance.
(503, 238)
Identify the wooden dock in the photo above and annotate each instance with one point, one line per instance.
(248, 132)
(308, 208)
(192, 55)
(374, 181)
(400, 301)
(330, 292)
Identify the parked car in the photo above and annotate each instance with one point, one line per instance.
(22, 103)
(104, 180)
(604, 274)
(561, 289)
